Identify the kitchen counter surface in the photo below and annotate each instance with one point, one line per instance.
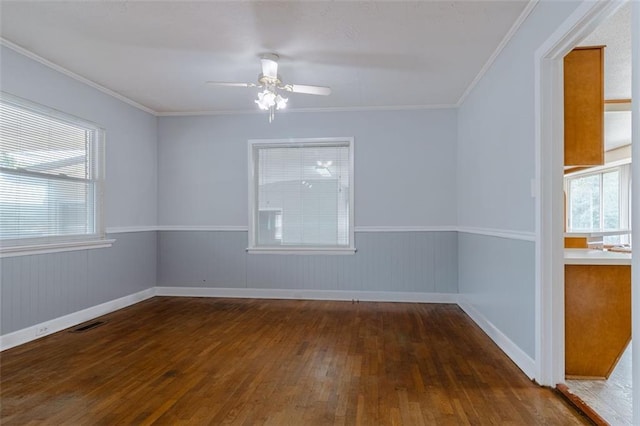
(595, 257)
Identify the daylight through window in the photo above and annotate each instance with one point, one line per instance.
(600, 201)
(301, 195)
(50, 175)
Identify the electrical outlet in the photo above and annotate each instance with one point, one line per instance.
(42, 330)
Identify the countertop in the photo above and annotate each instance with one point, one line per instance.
(595, 257)
(595, 233)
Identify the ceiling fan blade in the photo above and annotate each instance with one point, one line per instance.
(229, 84)
(309, 90)
(270, 65)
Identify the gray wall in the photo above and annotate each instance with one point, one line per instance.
(469, 167)
(38, 288)
(496, 131)
(405, 164)
(497, 277)
(42, 287)
(385, 261)
(496, 162)
(131, 186)
(404, 176)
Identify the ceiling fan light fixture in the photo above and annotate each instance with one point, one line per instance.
(269, 100)
(281, 103)
(266, 99)
(270, 83)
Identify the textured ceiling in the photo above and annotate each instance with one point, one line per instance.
(372, 54)
(615, 34)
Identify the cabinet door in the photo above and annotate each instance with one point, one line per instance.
(584, 107)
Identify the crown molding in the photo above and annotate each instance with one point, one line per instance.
(135, 104)
(302, 110)
(21, 50)
(503, 43)
(505, 40)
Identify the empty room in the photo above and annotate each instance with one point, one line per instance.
(314, 212)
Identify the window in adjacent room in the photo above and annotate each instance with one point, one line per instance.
(600, 200)
(301, 195)
(50, 177)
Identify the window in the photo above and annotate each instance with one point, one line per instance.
(50, 176)
(600, 200)
(301, 195)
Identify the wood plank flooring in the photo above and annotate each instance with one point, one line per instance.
(611, 398)
(274, 362)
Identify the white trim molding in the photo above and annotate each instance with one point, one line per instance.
(635, 210)
(549, 205)
(503, 43)
(21, 50)
(221, 228)
(13, 251)
(306, 294)
(513, 351)
(499, 233)
(303, 110)
(254, 169)
(127, 229)
(37, 331)
(301, 250)
(28, 334)
(406, 229)
(491, 232)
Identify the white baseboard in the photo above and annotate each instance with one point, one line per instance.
(37, 331)
(513, 351)
(517, 355)
(305, 294)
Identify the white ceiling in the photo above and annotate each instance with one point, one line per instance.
(615, 34)
(372, 54)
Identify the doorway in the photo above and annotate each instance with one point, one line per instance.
(550, 298)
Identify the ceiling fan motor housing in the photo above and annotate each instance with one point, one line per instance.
(267, 81)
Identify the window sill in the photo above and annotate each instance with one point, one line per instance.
(301, 250)
(26, 250)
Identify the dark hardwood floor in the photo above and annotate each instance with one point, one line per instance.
(279, 362)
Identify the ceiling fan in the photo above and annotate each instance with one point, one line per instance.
(269, 81)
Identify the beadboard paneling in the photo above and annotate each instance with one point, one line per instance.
(384, 261)
(42, 287)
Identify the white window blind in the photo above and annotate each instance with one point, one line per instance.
(50, 175)
(302, 194)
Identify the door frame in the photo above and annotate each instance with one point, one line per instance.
(549, 204)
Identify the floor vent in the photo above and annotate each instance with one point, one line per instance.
(88, 326)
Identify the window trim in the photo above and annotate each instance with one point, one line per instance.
(253, 144)
(58, 243)
(624, 187)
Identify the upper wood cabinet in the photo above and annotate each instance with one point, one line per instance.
(584, 106)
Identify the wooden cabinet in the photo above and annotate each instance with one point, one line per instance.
(584, 106)
(597, 318)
